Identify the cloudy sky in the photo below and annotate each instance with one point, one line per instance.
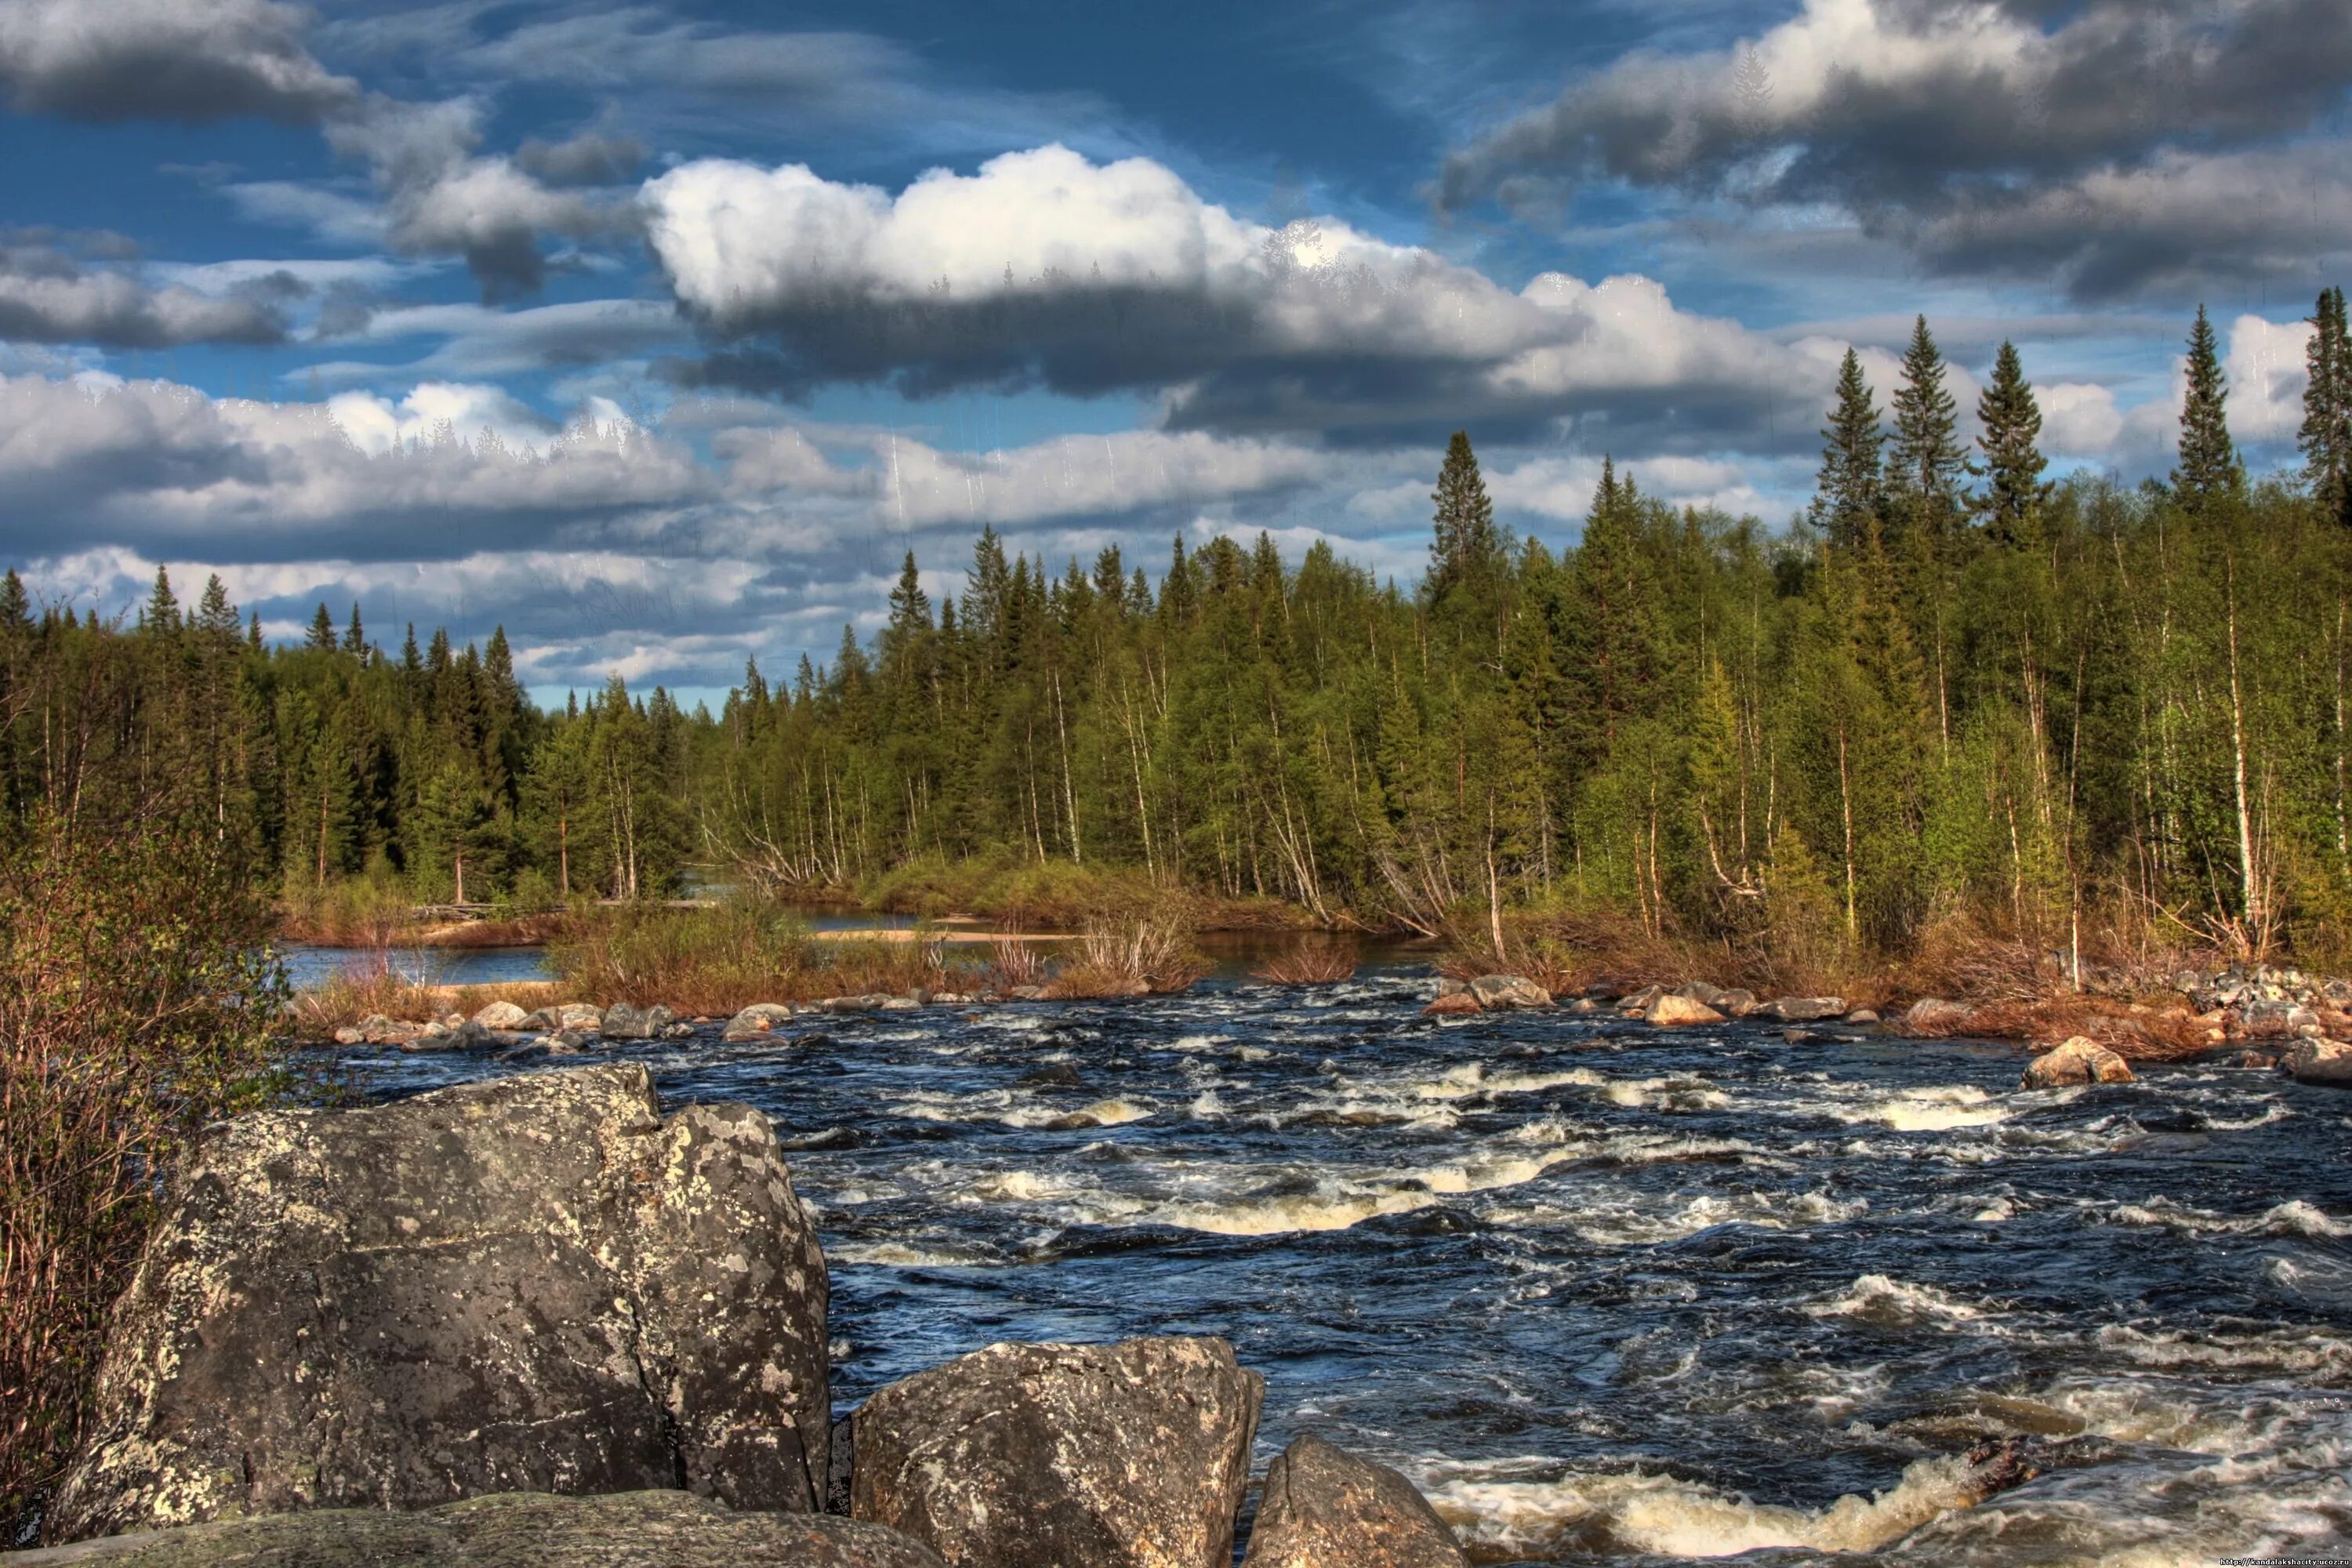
(658, 332)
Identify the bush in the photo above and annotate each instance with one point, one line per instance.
(1317, 960)
(139, 1001)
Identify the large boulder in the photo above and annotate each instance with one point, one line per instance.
(567, 1017)
(503, 1016)
(1126, 1455)
(1324, 1508)
(2319, 1061)
(2080, 1060)
(1671, 1010)
(532, 1284)
(508, 1530)
(1496, 992)
(756, 1020)
(1802, 1009)
(624, 1021)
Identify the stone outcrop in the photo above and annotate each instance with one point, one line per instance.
(1802, 1009)
(1496, 992)
(1324, 1508)
(2319, 1061)
(2079, 1061)
(1128, 1456)
(532, 1284)
(1673, 1010)
(508, 1530)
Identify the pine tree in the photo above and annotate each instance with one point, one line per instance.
(162, 616)
(2011, 421)
(1926, 460)
(354, 636)
(253, 632)
(2209, 468)
(1847, 494)
(410, 661)
(16, 608)
(323, 631)
(2326, 435)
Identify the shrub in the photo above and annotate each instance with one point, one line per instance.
(138, 1001)
(1318, 960)
(1128, 959)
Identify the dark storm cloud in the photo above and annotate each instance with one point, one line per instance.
(49, 295)
(164, 59)
(590, 158)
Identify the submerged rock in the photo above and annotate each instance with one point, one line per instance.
(1802, 1009)
(1494, 991)
(2319, 1061)
(1126, 1455)
(532, 1284)
(510, 1529)
(1324, 1508)
(2079, 1061)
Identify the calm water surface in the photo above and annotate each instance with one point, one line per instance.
(1604, 1290)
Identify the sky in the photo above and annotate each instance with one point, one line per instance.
(659, 332)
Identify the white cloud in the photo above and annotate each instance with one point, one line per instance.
(164, 59)
(2267, 373)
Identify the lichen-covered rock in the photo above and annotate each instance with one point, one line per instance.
(2319, 1061)
(1128, 1456)
(756, 1020)
(509, 1530)
(2080, 1060)
(1500, 991)
(532, 1284)
(501, 1015)
(1802, 1009)
(1674, 1010)
(1324, 1508)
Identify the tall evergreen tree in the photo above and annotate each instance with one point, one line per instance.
(354, 635)
(2209, 467)
(1925, 461)
(161, 614)
(1847, 494)
(323, 631)
(1467, 547)
(2326, 435)
(2009, 439)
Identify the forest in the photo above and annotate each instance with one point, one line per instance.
(1952, 696)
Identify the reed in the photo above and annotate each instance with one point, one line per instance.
(1128, 958)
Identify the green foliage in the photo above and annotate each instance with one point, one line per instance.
(2010, 436)
(1850, 489)
(2325, 437)
(2208, 468)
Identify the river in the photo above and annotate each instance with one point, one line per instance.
(1604, 1290)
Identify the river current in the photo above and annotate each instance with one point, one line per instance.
(1608, 1292)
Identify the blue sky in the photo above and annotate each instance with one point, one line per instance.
(658, 332)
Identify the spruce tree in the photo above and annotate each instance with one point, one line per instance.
(2209, 467)
(16, 608)
(161, 614)
(253, 632)
(2011, 421)
(2326, 435)
(1847, 494)
(1926, 460)
(323, 631)
(355, 635)
(1466, 547)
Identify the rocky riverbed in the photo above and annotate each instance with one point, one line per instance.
(1594, 1287)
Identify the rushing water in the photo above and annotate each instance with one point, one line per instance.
(1604, 1290)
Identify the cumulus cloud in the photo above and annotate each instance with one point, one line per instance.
(50, 294)
(164, 59)
(1044, 268)
(1933, 121)
(152, 464)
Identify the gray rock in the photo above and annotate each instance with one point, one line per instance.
(1496, 992)
(871, 1002)
(623, 1022)
(2319, 1061)
(1126, 1455)
(678, 1031)
(2079, 1061)
(1802, 1009)
(1863, 1015)
(1932, 1018)
(756, 1020)
(1677, 1009)
(375, 1029)
(351, 1035)
(575, 1018)
(468, 1035)
(1736, 1003)
(532, 1284)
(501, 1015)
(508, 1530)
(1324, 1508)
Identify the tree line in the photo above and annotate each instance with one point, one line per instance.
(1953, 694)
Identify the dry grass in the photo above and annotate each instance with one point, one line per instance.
(1128, 959)
(720, 960)
(2135, 1030)
(1316, 961)
(375, 987)
(1016, 962)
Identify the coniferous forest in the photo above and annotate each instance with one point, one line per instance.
(1952, 691)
